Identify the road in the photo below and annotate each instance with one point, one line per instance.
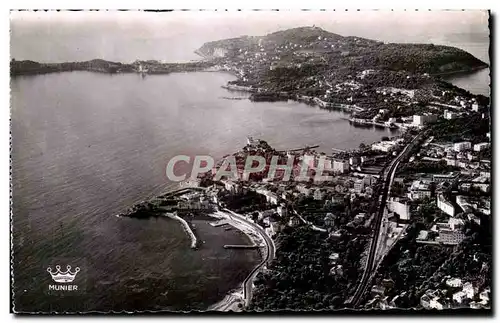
(388, 178)
(268, 257)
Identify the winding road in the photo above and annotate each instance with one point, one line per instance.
(268, 257)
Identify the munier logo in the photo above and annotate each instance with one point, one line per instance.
(63, 277)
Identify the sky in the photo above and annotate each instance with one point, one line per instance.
(129, 35)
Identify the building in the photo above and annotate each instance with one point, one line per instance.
(301, 188)
(459, 297)
(456, 224)
(450, 177)
(294, 221)
(340, 166)
(425, 301)
(481, 146)
(461, 146)
(473, 218)
(420, 120)
(422, 235)
(359, 218)
(445, 206)
(419, 190)
(450, 237)
(469, 290)
(319, 195)
(454, 282)
(475, 107)
(281, 210)
(449, 114)
(359, 185)
(334, 257)
(329, 220)
(369, 180)
(399, 207)
(354, 161)
(384, 146)
(232, 187)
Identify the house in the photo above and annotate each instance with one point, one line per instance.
(450, 177)
(419, 190)
(444, 205)
(481, 146)
(449, 114)
(454, 282)
(337, 270)
(400, 207)
(329, 220)
(294, 221)
(425, 301)
(303, 189)
(469, 290)
(459, 297)
(340, 166)
(359, 186)
(334, 257)
(281, 210)
(377, 290)
(461, 146)
(450, 237)
(319, 195)
(420, 120)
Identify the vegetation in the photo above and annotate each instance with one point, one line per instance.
(300, 277)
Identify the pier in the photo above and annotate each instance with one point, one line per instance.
(298, 149)
(186, 226)
(219, 223)
(240, 246)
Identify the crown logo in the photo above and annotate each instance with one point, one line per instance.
(63, 277)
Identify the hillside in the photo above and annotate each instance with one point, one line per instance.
(354, 53)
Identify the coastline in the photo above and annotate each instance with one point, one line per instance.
(235, 297)
(461, 72)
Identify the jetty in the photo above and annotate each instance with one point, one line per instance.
(186, 227)
(219, 223)
(240, 246)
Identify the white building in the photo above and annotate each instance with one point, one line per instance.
(281, 210)
(232, 187)
(459, 297)
(400, 208)
(340, 166)
(454, 282)
(301, 188)
(419, 190)
(359, 185)
(420, 120)
(385, 146)
(445, 205)
(461, 146)
(449, 114)
(475, 107)
(319, 195)
(469, 290)
(450, 237)
(481, 146)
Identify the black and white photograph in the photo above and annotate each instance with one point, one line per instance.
(251, 161)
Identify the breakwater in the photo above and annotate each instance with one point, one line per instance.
(187, 228)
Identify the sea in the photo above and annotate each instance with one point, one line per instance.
(86, 146)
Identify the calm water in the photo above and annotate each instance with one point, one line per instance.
(86, 146)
